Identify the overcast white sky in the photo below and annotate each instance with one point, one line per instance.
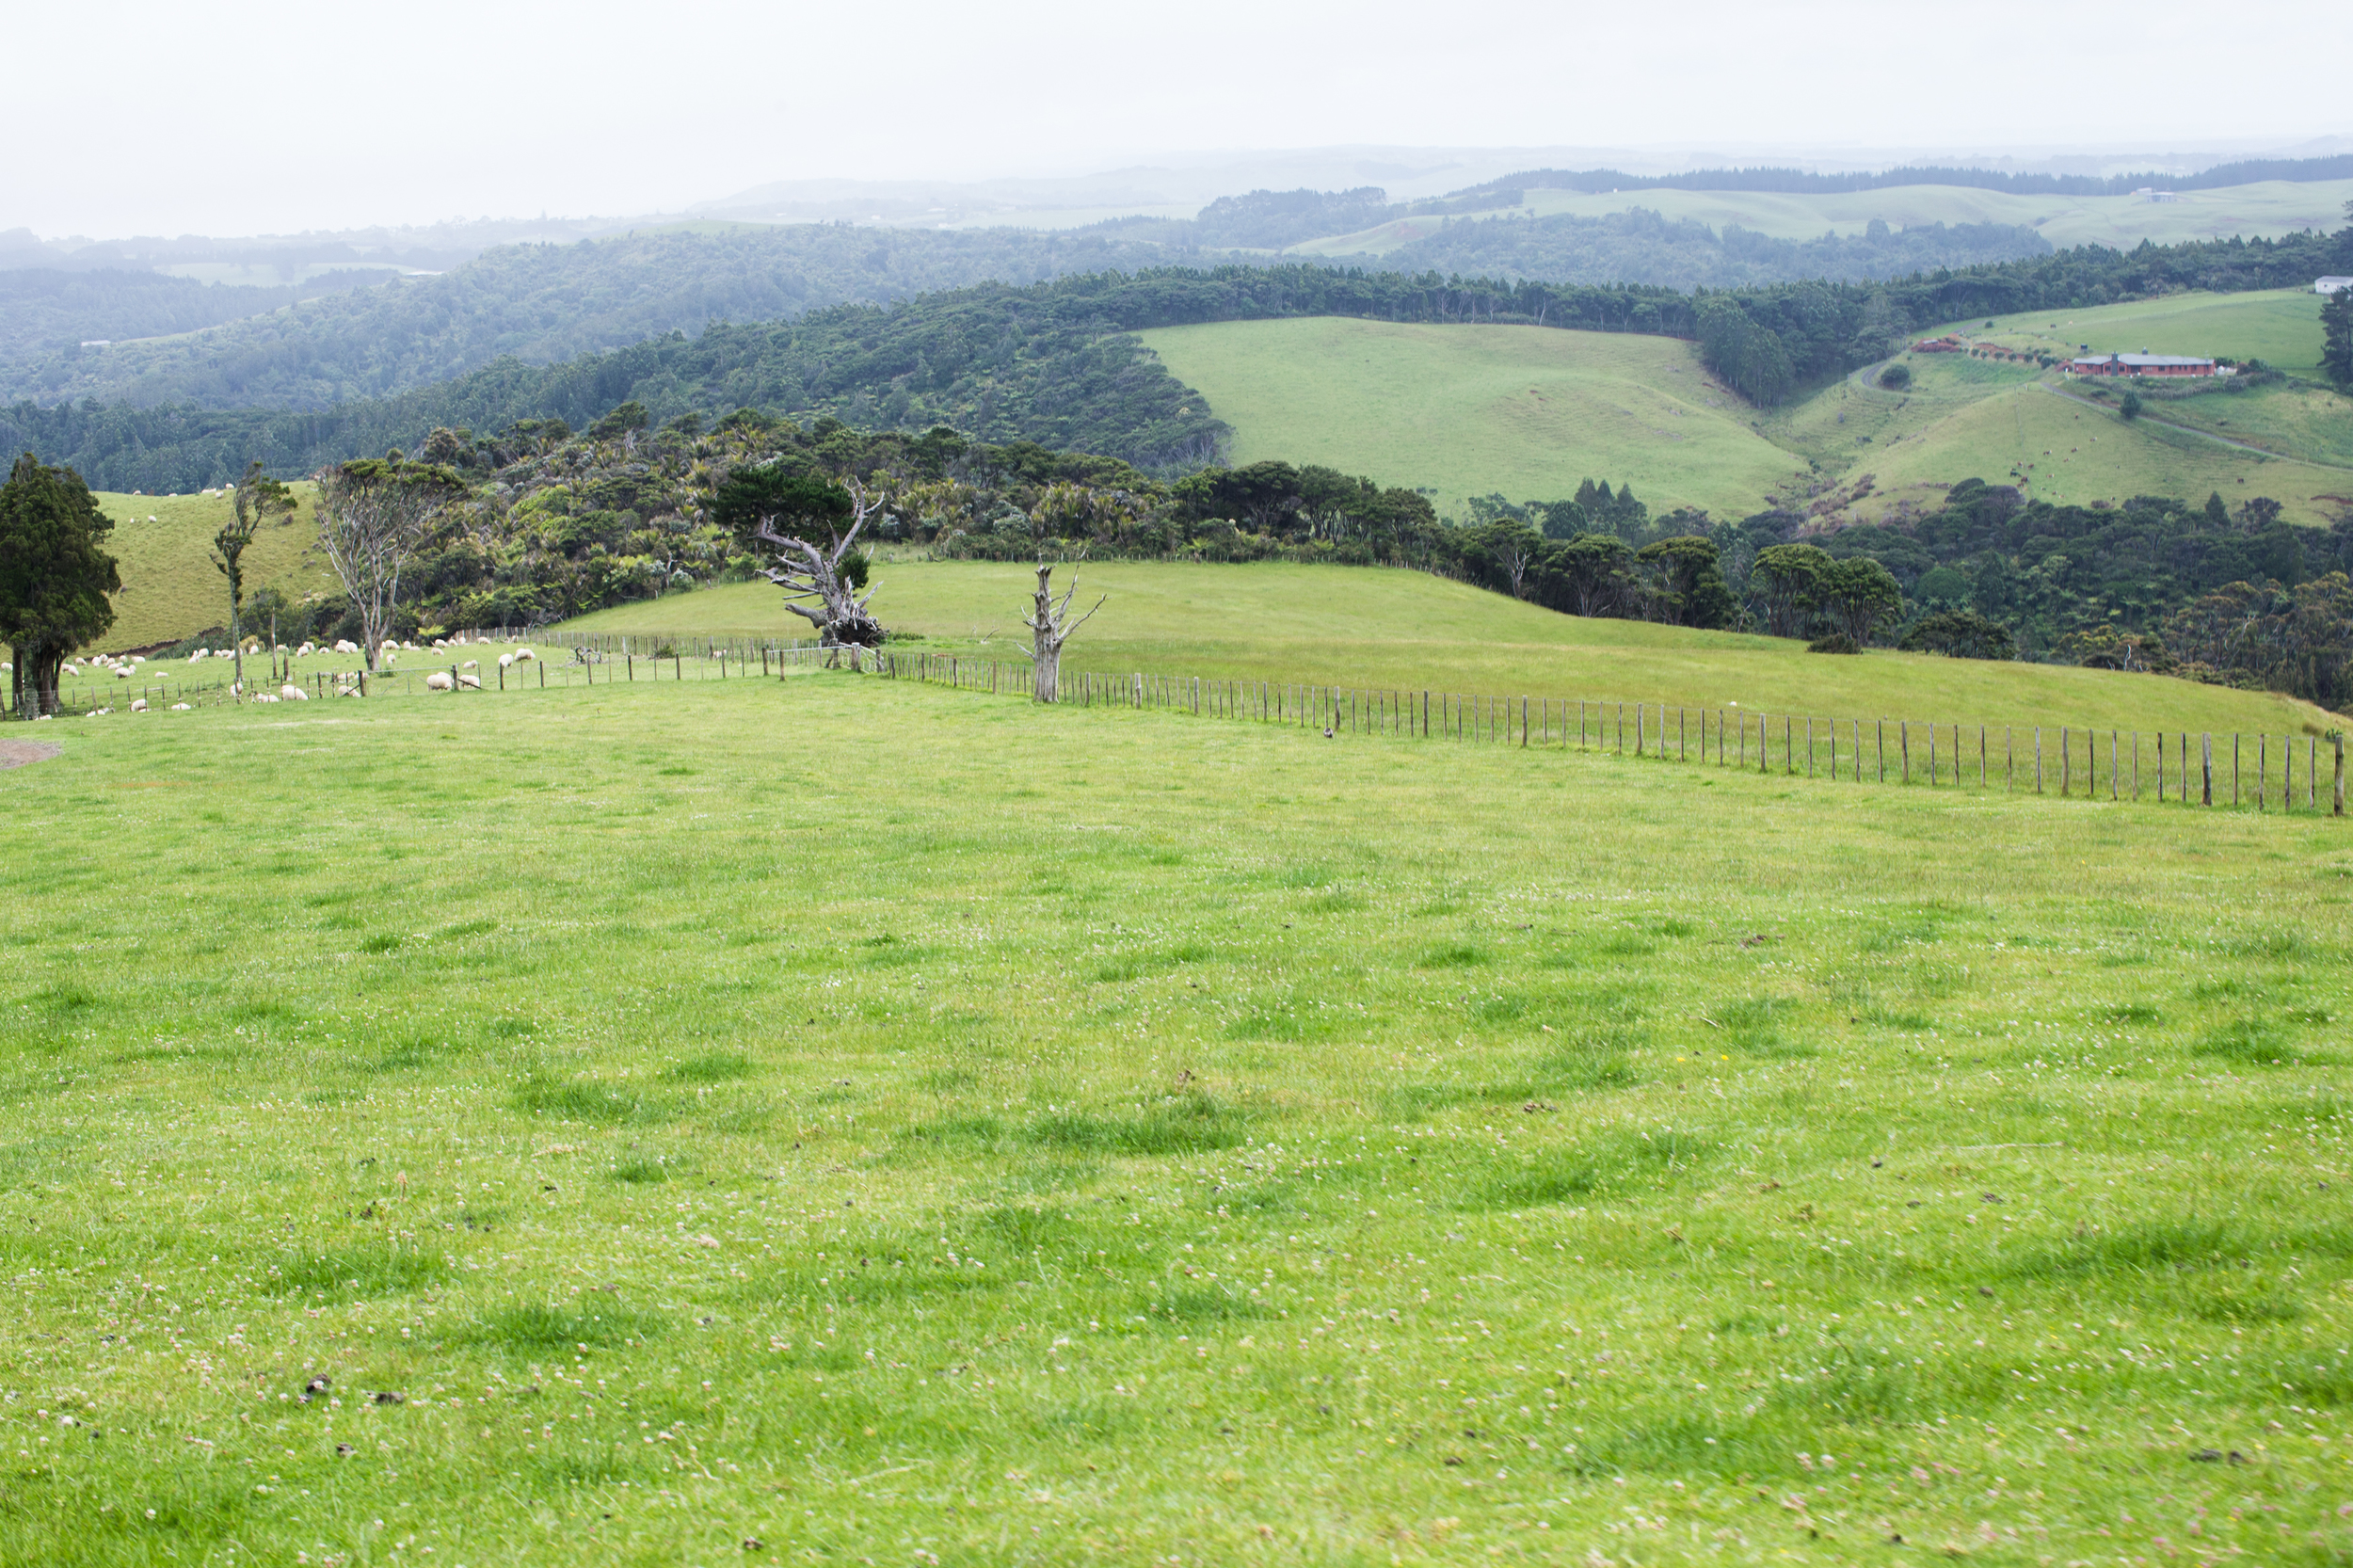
(130, 117)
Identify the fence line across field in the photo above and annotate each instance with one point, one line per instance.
(2036, 758)
(2040, 759)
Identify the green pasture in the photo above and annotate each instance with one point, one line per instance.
(2300, 420)
(1526, 411)
(1372, 628)
(2271, 208)
(838, 1120)
(2074, 451)
(172, 589)
(2281, 327)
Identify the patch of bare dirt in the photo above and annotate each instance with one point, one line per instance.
(15, 753)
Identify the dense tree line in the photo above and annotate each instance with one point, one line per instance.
(556, 523)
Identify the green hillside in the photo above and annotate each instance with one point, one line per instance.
(171, 588)
(1407, 631)
(1529, 411)
(2271, 208)
(1964, 416)
(2281, 327)
(1462, 411)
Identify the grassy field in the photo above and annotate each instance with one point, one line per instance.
(1399, 630)
(464, 1132)
(2271, 208)
(2281, 327)
(1526, 410)
(170, 586)
(1530, 412)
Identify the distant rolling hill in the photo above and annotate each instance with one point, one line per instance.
(1528, 411)
(2272, 208)
(1465, 410)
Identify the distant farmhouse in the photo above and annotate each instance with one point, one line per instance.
(2139, 364)
(2146, 194)
(2330, 286)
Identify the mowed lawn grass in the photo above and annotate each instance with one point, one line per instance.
(1403, 631)
(1529, 411)
(837, 1120)
(172, 589)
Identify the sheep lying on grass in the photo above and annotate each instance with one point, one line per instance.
(139, 705)
(293, 693)
(470, 682)
(440, 681)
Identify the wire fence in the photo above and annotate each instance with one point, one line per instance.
(2264, 771)
(2176, 767)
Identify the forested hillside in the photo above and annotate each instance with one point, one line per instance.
(49, 312)
(1052, 362)
(1564, 248)
(538, 304)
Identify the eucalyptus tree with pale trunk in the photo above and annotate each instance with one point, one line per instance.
(808, 527)
(374, 515)
(1049, 622)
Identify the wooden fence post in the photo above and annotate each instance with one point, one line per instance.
(2038, 758)
(2312, 773)
(2336, 742)
(2235, 769)
(2205, 748)
(1903, 738)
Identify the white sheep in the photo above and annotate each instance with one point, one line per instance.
(344, 644)
(139, 705)
(472, 665)
(470, 682)
(264, 697)
(524, 656)
(392, 645)
(293, 693)
(122, 672)
(179, 708)
(440, 681)
(505, 659)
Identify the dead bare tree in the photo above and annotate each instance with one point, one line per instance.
(1049, 621)
(373, 515)
(809, 527)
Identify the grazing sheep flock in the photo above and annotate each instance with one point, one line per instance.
(285, 666)
(280, 673)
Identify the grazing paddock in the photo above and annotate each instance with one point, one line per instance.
(833, 1119)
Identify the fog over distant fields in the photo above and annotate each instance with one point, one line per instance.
(139, 118)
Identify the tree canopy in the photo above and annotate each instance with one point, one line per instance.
(54, 575)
